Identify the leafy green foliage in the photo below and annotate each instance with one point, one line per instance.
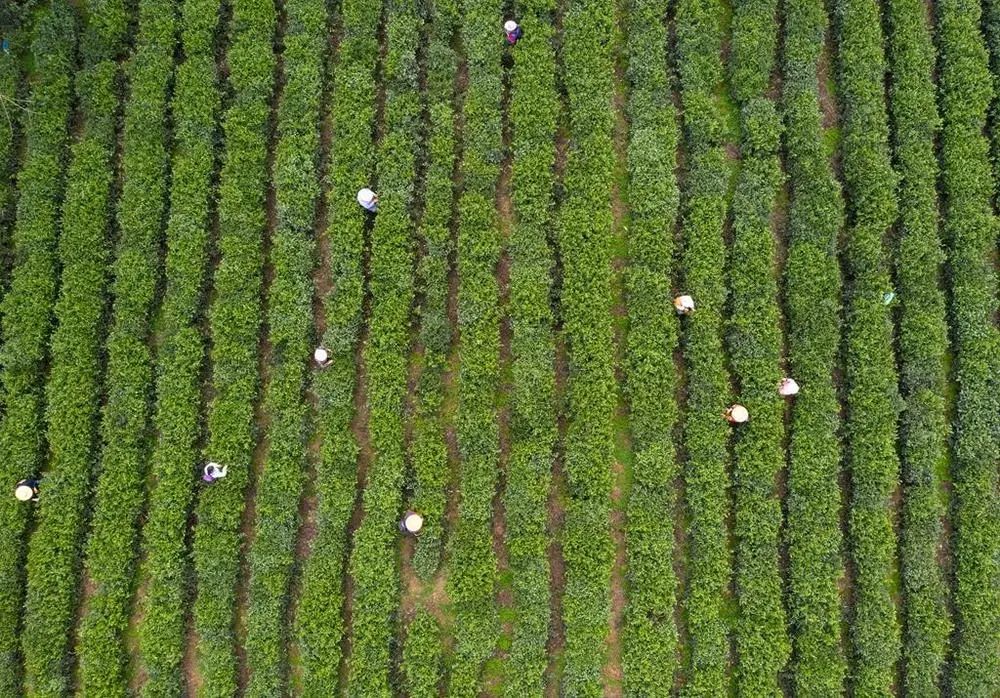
(373, 560)
(649, 635)
(53, 562)
(289, 316)
(970, 228)
(699, 37)
(472, 569)
(872, 398)
(235, 321)
(754, 343)
(27, 306)
(318, 622)
(534, 107)
(428, 452)
(120, 493)
(923, 342)
(585, 243)
(812, 293)
(164, 572)
(422, 660)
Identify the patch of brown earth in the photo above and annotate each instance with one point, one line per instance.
(827, 103)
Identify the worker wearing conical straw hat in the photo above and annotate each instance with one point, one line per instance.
(513, 31)
(788, 387)
(322, 357)
(368, 200)
(684, 305)
(26, 490)
(412, 523)
(737, 414)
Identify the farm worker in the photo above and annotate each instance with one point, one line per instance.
(368, 199)
(213, 472)
(737, 414)
(513, 31)
(888, 297)
(322, 357)
(684, 305)
(26, 490)
(788, 387)
(412, 523)
(5, 45)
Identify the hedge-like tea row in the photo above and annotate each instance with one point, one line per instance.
(164, 573)
(422, 660)
(318, 620)
(428, 453)
(754, 341)
(72, 389)
(649, 635)
(812, 299)
(289, 316)
(872, 398)
(27, 306)
(585, 241)
(699, 45)
(235, 324)
(373, 560)
(11, 88)
(991, 32)
(111, 546)
(472, 570)
(923, 343)
(970, 227)
(534, 108)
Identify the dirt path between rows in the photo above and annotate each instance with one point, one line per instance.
(359, 423)
(322, 287)
(623, 442)
(556, 507)
(248, 524)
(505, 211)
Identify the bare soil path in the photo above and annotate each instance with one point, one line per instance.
(623, 441)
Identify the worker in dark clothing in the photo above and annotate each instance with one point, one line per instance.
(26, 490)
(322, 357)
(412, 523)
(513, 31)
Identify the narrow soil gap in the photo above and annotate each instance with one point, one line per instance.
(410, 586)
(505, 210)
(734, 163)
(623, 442)
(322, 286)
(437, 603)
(359, 423)
(680, 397)
(826, 74)
(265, 351)
(557, 492)
(154, 339)
(779, 230)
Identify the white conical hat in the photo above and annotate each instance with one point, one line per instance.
(413, 522)
(510, 25)
(739, 413)
(24, 493)
(321, 354)
(788, 386)
(684, 301)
